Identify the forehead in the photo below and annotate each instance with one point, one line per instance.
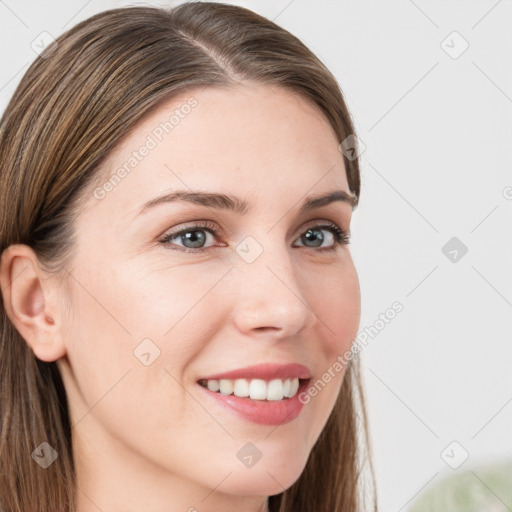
(253, 138)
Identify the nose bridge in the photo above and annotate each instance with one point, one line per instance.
(268, 291)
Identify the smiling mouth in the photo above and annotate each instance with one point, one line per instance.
(256, 389)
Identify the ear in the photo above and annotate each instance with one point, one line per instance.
(30, 300)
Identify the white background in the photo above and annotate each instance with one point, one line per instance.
(437, 165)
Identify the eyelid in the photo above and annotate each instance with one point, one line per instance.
(322, 222)
(342, 236)
(206, 224)
(210, 226)
(191, 226)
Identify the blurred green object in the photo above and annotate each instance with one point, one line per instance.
(478, 489)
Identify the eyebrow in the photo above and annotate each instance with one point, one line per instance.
(240, 206)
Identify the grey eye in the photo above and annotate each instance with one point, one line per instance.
(314, 237)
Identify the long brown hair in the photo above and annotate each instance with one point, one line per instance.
(75, 103)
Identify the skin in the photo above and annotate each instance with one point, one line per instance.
(148, 437)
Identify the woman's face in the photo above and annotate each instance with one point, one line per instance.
(147, 318)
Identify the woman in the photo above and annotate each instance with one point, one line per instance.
(179, 298)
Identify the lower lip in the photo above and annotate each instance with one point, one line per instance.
(263, 412)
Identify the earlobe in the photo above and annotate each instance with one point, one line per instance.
(29, 299)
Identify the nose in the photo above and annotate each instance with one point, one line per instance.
(268, 298)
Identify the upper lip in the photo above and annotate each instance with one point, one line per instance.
(265, 371)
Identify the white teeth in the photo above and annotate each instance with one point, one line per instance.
(286, 388)
(241, 388)
(256, 389)
(294, 386)
(275, 390)
(226, 386)
(213, 385)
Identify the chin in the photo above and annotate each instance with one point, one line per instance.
(264, 479)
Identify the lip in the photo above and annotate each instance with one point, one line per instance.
(265, 371)
(262, 412)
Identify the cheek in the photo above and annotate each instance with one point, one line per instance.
(347, 315)
(145, 321)
(334, 296)
(124, 367)
(159, 299)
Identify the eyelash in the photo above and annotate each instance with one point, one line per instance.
(340, 236)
